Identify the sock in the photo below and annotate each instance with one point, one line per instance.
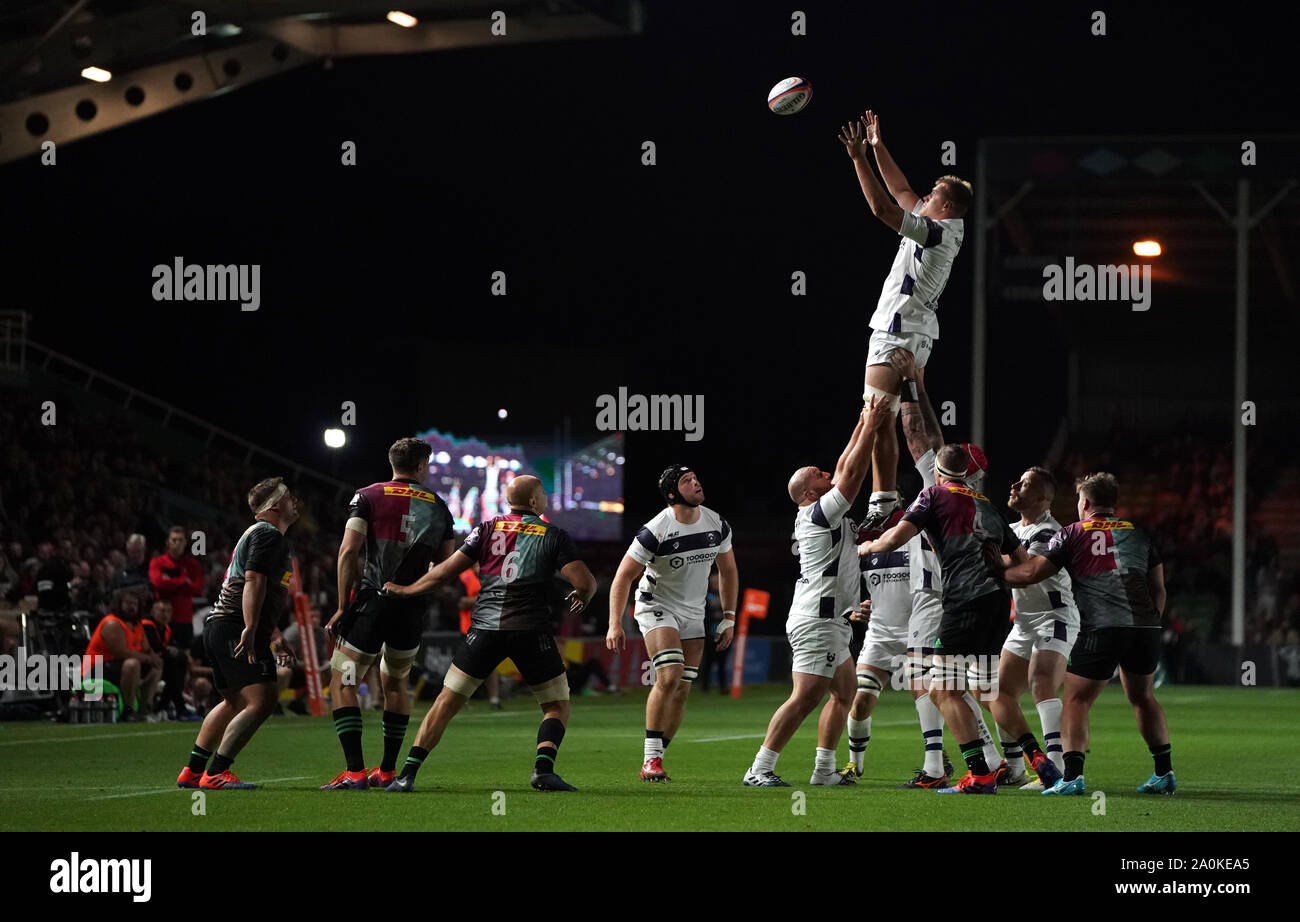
(549, 736)
(825, 760)
(1030, 746)
(1012, 753)
(667, 740)
(199, 759)
(220, 764)
(932, 735)
(654, 744)
(859, 736)
(347, 724)
(414, 759)
(394, 733)
(883, 497)
(494, 700)
(764, 761)
(973, 753)
(1164, 759)
(1049, 714)
(1073, 765)
(991, 756)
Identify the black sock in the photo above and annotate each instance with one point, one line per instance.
(549, 736)
(199, 759)
(654, 734)
(414, 759)
(219, 764)
(1073, 765)
(667, 740)
(347, 724)
(1164, 759)
(1030, 746)
(394, 733)
(973, 753)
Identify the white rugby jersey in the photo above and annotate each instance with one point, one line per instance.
(910, 296)
(926, 574)
(677, 560)
(888, 580)
(828, 560)
(1054, 594)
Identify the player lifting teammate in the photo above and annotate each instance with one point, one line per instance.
(518, 555)
(906, 314)
(827, 588)
(1119, 585)
(671, 556)
(969, 536)
(403, 528)
(907, 602)
(242, 639)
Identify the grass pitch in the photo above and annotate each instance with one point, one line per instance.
(1238, 769)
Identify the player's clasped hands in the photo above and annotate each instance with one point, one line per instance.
(862, 614)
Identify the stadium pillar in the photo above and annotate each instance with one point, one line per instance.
(979, 307)
(1239, 430)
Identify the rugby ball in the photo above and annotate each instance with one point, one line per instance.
(789, 96)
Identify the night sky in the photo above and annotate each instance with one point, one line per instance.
(666, 279)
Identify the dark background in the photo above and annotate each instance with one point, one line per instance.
(666, 279)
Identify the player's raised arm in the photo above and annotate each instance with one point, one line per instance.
(855, 144)
(895, 181)
(629, 571)
(920, 424)
(453, 566)
(859, 457)
(848, 448)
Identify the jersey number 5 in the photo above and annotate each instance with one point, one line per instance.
(408, 530)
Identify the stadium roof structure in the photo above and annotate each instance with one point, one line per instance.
(1222, 203)
(157, 62)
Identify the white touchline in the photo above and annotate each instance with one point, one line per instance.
(759, 736)
(97, 736)
(174, 788)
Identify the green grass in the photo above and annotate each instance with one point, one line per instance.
(1235, 753)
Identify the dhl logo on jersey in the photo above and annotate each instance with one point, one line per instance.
(410, 491)
(524, 528)
(965, 491)
(1105, 524)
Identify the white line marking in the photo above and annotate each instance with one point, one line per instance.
(721, 739)
(174, 788)
(193, 731)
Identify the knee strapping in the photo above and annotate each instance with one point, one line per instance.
(870, 684)
(669, 656)
(397, 663)
(895, 400)
(461, 683)
(344, 664)
(557, 689)
(690, 673)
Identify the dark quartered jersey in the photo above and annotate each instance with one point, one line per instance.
(406, 525)
(261, 549)
(968, 534)
(518, 555)
(1108, 560)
